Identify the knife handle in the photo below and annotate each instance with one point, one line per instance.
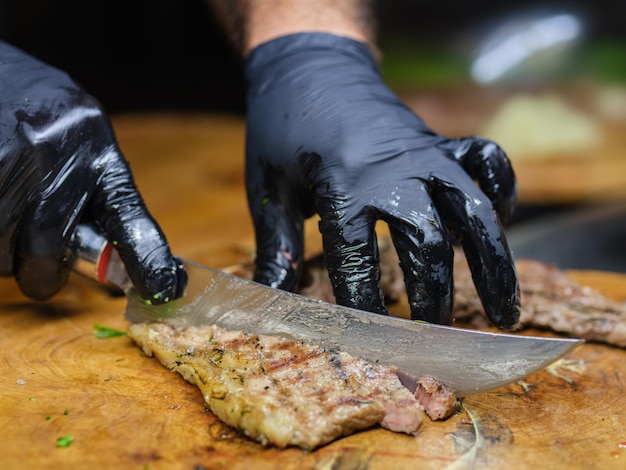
(97, 259)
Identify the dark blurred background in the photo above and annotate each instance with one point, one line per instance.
(164, 54)
(131, 54)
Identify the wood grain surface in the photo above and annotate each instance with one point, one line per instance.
(125, 411)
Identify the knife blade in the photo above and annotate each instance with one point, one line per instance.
(466, 361)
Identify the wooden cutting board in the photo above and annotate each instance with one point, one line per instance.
(126, 411)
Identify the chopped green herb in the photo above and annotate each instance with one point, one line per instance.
(66, 412)
(31, 399)
(65, 441)
(48, 418)
(104, 332)
(265, 200)
(212, 340)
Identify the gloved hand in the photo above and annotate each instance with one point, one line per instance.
(60, 164)
(326, 136)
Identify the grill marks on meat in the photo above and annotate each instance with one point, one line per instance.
(279, 391)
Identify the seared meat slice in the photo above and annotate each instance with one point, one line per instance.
(279, 391)
(437, 400)
(550, 300)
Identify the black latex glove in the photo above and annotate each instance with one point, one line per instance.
(326, 135)
(60, 164)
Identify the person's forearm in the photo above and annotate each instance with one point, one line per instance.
(249, 23)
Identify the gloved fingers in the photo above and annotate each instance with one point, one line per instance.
(119, 211)
(279, 233)
(16, 182)
(41, 261)
(426, 259)
(487, 163)
(351, 255)
(469, 215)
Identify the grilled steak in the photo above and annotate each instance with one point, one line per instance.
(279, 391)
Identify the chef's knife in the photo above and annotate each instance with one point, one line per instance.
(466, 361)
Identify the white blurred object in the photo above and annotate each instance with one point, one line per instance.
(530, 127)
(532, 44)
